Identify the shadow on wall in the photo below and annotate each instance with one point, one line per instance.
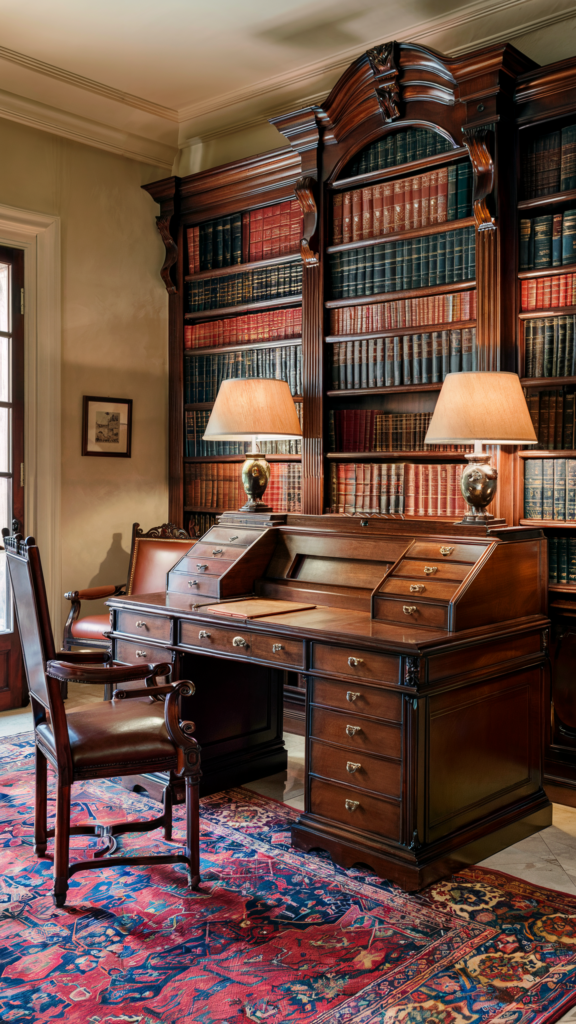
(114, 568)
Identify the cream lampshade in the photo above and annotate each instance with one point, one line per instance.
(253, 410)
(480, 408)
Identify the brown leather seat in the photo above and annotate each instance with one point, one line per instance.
(92, 627)
(114, 734)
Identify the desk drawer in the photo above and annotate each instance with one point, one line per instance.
(434, 589)
(355, 733)
(432, 569)
(154, 627)
(405, 611)
(356, 699)
(447, 551)
(277, 649)
(209, 586)
(214, 638)
(344, 661)
(199, 566)
(231, 535)
(131, 653)
(339, 803)
(221, 552)
(363, 771)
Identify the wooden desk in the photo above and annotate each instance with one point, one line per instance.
(425, 657)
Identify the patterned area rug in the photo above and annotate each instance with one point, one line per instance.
(273, 936)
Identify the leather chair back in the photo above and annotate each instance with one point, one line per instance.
(32, 613)
(151, 561)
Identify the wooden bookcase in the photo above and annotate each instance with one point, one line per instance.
(486, 105)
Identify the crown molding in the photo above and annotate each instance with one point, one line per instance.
(84, 130)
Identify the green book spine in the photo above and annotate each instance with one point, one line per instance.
(562, 560)
(561, 356)
(389, 267)
(391, 150)
(571, 489)
(236, 238)
(557, 240)
(389, 363)
(559, 488)
(421, 143)
(407, 356)
(381, 154)
(441, 274)
(548, 346)
(474, 349)
(401, 148)
(406, 263)
(379, 343)
(427, 359)
(455, 351)
(369, 270)
(398, 357)
(360, 271)
(542, 241)
(437, 357)
(467, 349)
(569, 360)
(379, 257)
(525, 232)
(451, 207)
(416, 262)
(411, 144)
(472, 253)
(433, 260)
(533, 489)
(352, 272)
(458, 254)
(569, 237)
(553, 559)
(208, 245)
(345, 275)
(528, 348)
(416, 359)
(445, 354)
(425, 261)
(572, 559)
(449, 257)
(462, 191)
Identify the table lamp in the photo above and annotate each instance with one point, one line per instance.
(480, 408)
(253, 410)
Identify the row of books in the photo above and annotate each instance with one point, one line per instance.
(398, 147)
(549, 163)
(251, 286)
(549, 349)
(561, 558)
(548, 241)
(204, 374)
(552, 413)
(219, 485)
(550, 489)
(385, 488)
(404, 359)
(245, 238)
(269, 325)
(200, 522)
(411, 263)
(195, 424)
(549, 292)
(430, 198)
(368, 430)
(424, 311)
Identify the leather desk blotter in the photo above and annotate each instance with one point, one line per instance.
(254, 608)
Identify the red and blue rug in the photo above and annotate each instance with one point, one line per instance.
(273, 936)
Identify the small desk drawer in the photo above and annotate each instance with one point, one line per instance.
(231, 535)
(277, 649)
(432, 569)
(405, 611)
(344, 661)
(221, 552)
(181, 583)
(131, 653)
(447, 551)
(355, 732)
(434, 589)
(356, 699)
(155, 627)
(358, 810)
(199, 566)
(215, 638)
(363, 771)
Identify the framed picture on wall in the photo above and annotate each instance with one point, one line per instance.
(107, 427)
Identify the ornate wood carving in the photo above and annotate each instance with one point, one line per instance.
(483, 167)
(305, 197)
(476, 142)
(384, 68)
(411, 671)
(167, 531)
(163, 224)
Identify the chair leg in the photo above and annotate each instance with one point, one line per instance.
(193, 832)
(167, 802)
(61, 844)
(40, 808)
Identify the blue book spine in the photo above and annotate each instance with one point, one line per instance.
(559, 488)
(547, 488)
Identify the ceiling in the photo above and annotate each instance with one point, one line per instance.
(155, 81)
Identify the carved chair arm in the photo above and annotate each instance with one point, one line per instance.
(95, 593)
(68, 672)
(181, 732)
(145, 691)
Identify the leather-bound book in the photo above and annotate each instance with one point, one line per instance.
(559, 487)
(570, 490)
(543, 241)
(569, 237)
(337, 218)
(568, 158)
(347, 217)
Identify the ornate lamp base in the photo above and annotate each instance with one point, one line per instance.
(478, 486)
(255, 477)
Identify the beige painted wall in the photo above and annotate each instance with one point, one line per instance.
(114, 337)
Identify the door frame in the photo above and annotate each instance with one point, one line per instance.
(38, 234)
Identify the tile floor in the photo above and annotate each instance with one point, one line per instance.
(547, 858)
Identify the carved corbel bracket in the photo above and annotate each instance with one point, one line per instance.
(305, 196)
(411, 671)
(385, 70)
(475, 140)
(171, 258)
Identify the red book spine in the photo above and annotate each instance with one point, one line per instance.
(555, 293)
(408, 213)
(433, 197)
(377, 211)
(296, 225)
(442, 194)
(284, 239)
(356, 215)
(417, 201)
(425, 201)
(347, 217)
(256, 222)
(399, 207)
(268, 214)
(366, 213)
(337, 215)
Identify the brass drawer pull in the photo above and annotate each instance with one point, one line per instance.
(239, 641)
(217, 551)
(409, 609)
(351, 805)
(429, 570)
(351, 696)
(277, 647)
(141, 625)
(417, 588)
(352, 767)
(354, 662)
(141, 654)
(351, 730)
(230, 539)
(193, 583)
(203, 634)
(446, 551)
(201, 567)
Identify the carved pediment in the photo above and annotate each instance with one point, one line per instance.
(385, 70)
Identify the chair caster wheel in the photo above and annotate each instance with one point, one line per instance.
(59, 899)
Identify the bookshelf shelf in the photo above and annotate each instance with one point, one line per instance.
(549, 523)
(533, 314)
(562, 588)
(430, 229)
(395, 389)
(410, 293)
(555, 198)
(397, 456)
(566, 268)
(546, 382)
(247, 307)
(240, 458)
(558, 453)
(214, 350)
(400, 170)
(240, 268)
(392, 332)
